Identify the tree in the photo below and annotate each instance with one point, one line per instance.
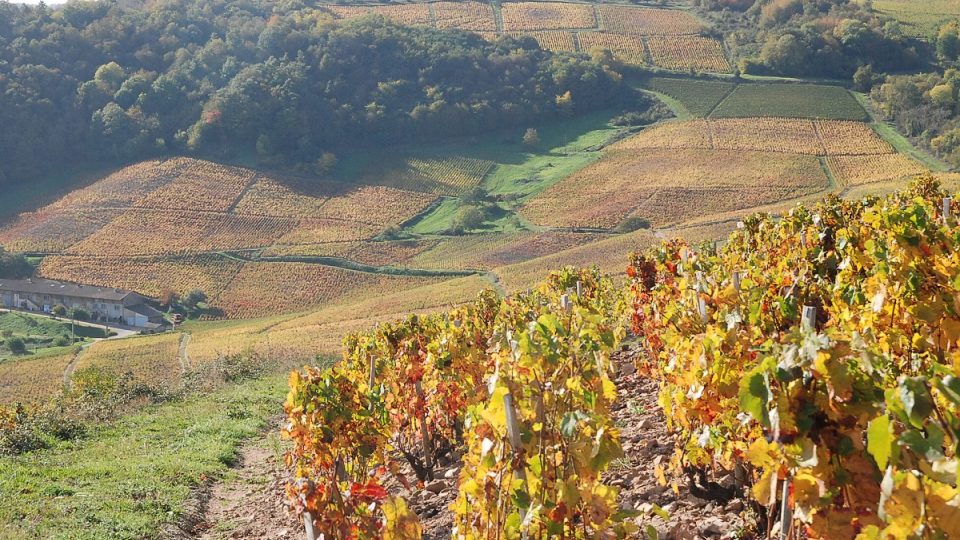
(14, 265)
(193, 299)
(79, 314)
(863, 79)
(943, 95)
(468, 218)
(948, 41)
(565, 103)
(531, 138)
(59, 310)
(168, 297)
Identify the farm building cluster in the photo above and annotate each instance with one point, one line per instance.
(106, 305)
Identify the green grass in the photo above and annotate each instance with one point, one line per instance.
(698, 97)
(792, 101)
(40, 332)
(130, 478)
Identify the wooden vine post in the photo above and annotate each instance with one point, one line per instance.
(308, 525)
(809, 323)
(946, 209)
(425, 434)
(516, 443)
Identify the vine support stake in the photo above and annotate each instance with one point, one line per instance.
(425, 434)
(308, 526)
(809, 320)
(785, 517)
(946, 209)
(565, 303)
(373, 373)
(579, 289)
(736, 281)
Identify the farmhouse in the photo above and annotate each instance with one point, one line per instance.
(103, 304)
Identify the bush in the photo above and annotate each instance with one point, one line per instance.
(17, 345)
(634, 223)
(62, 341)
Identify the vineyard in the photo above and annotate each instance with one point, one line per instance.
(829, 393)
(52, 231)
(519, 435)
(525, 16)
(790, 100)
(788, 135)
(443, 176)
(148, 276)
(817, 355)
(858, 170)
(485, 251)
(684, 53)
(626, 49)
(647, 22)
(551, 41)
(32, 381)
(139, 233)
(471, 16)
(152, 360)
(262, 289)
(665, 186)
(699, 97)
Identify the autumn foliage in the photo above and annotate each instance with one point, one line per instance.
(854, 415)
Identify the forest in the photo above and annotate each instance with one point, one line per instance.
(818, 38)
(92, 82)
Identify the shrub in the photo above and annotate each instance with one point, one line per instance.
(17, 345)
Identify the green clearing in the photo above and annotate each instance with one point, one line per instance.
(128, 479)
(519, 172)
(41, 334)
(698, 97)
(791, 101)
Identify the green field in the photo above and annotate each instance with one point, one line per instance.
(129, 479)
(41, 333)
(698, 97)
(792, 101)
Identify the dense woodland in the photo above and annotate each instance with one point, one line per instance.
(94, 82)
(821, 38)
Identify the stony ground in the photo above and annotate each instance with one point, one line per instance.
(249, 503)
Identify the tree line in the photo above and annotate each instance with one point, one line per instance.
(97, 82)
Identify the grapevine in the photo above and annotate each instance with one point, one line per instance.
(853, 415)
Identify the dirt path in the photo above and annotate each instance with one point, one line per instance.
(185, 363)
(249, 502)
(72, 366)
